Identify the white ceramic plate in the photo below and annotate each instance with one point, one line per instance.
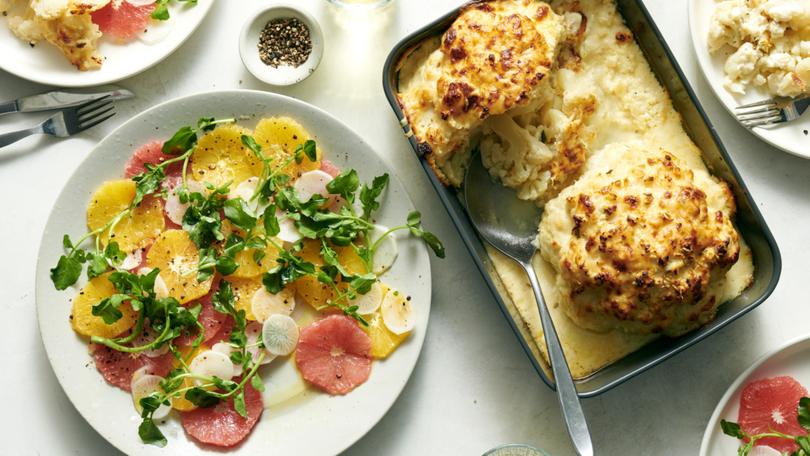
(307, 423)
(792, 358)
(45, 64)
(788, 136)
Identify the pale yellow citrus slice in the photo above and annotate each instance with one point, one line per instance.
(177, 258)
(132, 231)
(85, 323)
(220, 157)
(287, 134)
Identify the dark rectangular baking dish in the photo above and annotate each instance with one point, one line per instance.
(767, 261)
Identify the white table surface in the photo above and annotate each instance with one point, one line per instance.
(473, 387)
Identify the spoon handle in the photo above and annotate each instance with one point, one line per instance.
(566, 391)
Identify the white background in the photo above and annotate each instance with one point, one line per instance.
(473, 387)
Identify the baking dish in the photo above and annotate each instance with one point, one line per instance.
(767, 261)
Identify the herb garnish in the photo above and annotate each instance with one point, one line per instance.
(161, 11)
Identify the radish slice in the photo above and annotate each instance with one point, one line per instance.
(287, 230)
(147, 336)
(280, 335)
(143, 370)
(145, 385)
(132, 260)
(246, 190)
(263, 304)
(175, 210)
(397, 313)
(157, 31)
(312, 183)
(140, 2)
(212, 364)
(369, 303)
(386, 252)
(763, 450)
(253, 331)
(161, 289)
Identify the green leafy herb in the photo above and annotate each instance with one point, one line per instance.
(345, 184)
(150, 434)
(369, 195)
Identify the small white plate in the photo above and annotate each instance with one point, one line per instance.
(297, 419)
(45, 64)
(789, 136)
(285, 74)
(792, 358)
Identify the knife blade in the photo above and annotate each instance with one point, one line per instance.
(58, 100)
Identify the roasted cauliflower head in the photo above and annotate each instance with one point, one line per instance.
(493, 59)
(641, 242)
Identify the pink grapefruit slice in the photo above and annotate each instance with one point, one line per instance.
(334, 354)
(771, 404)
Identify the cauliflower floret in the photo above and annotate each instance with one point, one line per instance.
(768, 41)
(740, 67)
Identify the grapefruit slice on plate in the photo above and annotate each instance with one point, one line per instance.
(771, 404)
(221, 425)
(125, 22)
(334, 354)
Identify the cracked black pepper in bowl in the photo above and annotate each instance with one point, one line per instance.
(285, 41)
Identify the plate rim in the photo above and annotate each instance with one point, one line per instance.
(39, 272)
(701, 56)
(711, 425)
(50, 81)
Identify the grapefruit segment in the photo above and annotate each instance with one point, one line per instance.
(334, 354)
(221, 425)
(124, 22)
(771, 404)
(118, 367)
(152, 154)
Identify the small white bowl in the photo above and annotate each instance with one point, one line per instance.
(249, 46)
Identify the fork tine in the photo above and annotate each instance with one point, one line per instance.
(95, 104)
(96, 122)
(759, 114)
(757, 103)
(761, 122)
(89, 117)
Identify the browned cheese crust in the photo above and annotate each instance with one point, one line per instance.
(646, 245)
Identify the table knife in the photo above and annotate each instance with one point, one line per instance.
(58, 100)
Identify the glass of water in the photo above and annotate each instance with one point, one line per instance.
(360, 4)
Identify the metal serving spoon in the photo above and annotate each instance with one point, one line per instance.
(510, 225)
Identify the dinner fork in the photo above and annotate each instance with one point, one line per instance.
(771, 112)
(67, 122)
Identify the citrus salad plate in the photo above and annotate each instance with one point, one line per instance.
(233, 270)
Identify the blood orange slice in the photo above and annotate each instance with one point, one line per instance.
(148, 153)
(221, 425)
(334, 354)
(117, 367)
(771, 405)
(123, 23)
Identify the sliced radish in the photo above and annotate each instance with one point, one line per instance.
(132, 260)
(369, 303)
(312, 183)
(212, 364)
(280, 334)
(140, 2)
(223, 347)
(246, 190)
(763, 450)
(147, 336)
(386, 252)
(145, 385)
(263, 304)
(143, 370)
(175, 210)
(287, 230)
(161, 289)
(253, 331)
(397, 313)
